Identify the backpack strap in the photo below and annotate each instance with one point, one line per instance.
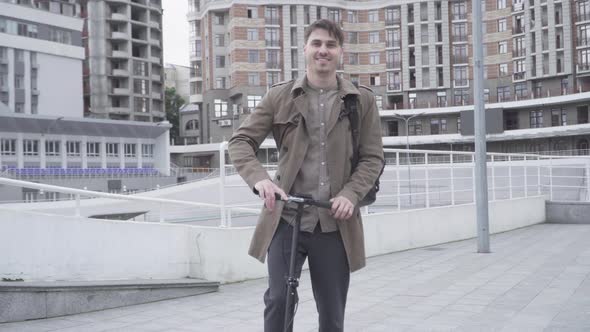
(351, 106)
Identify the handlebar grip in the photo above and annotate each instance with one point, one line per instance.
(323, 204)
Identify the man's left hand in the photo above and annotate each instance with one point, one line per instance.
(342, 208)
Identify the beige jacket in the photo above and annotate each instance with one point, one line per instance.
(280, 112)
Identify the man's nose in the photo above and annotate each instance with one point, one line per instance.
(323, 48)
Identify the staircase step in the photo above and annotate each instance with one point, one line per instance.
(22, 300)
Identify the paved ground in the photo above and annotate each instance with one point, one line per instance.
(536, 279)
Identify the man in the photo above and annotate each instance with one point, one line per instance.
(315, 147)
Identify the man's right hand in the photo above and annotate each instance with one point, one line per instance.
(267, 190)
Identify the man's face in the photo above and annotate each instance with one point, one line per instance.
(322, 52)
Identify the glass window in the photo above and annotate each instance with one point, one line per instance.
(8, 147)
(502, 47)
(353, 16)
(220, 108)
(147, 150)
(253, 56)
(129, 149)
(253, 102)
(252, 34)
(374, 58)
(30, 147)
(536, 119)
(219, 61)
(253, 79)
(52, 148)
(112, 149)
(373, 37)
(501, 25)
(373, 16)
(92, 149)
(73, 149)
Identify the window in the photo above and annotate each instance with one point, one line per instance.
(252, 34)
(379, 102)
(415, 127)
(272, 78)
(354, 79)
(73, 149)
(438, 126)
(373, 37)
(520, 90)
(502, 69)
(220, 108)
(374, 80)
(252, 12)
(334, 14)
(253, 79)
(19, 81)
(219, 40)
(19, 107)
(461, 97)
(52, 148)
(459, 32)
(93, 149)
(129, 150)
(219, 61)
(536, 119)
(503, 93)
(141, 105)
(501, 25)
(112, 149)
(272, 37)
(353, 58)
(459, 10)
(140, 86)
(253, 56)
(253, 102)
(271, 15)
(8, 147)
(353, 16)
(460, 53)
(558, 117)
(459, 124)
(147, 150)
(220, 83)
(218, 19)
(374, 58)
(502, 47)
(373, 16)
(191, 125)
(461, 76)
(501, 4)
(511, 120)
(353, 37)
(19, 55)
(30, 147)
(140, 68)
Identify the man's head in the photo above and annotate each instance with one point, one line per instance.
(323, 47)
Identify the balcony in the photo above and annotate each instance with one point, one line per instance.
(583, 41)
(120, 72)
(271, 20)
(272, 43)
(121, 91)
(583, 66)
(519, 76)
(155, 59)
(154, 41)
(461, 83)
(460, 59)
(154, 24)
(119, 35)
(517, 7)
(119, 54)
(393, 64)
(517, 30)
(119, 17)
(273, 65)
(459, 38)
(516, 53)
(459, 16)
(156, 77)
(394, 87)
(393, 43)
(156, 95)
(393, 21)
(583, 17)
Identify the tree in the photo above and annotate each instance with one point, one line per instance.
(173, 104)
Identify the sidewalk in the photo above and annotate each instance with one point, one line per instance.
(536, 278)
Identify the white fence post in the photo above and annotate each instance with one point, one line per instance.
(550, 178)
(223, 221)
(452, 180)
(510, 176)
(493, 179)
(426, 180)
(526, 187)
(399, 194)
(77, 205)
(539, 175)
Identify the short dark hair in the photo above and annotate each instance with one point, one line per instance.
(328, 25)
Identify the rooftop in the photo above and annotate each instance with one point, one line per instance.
(536, 278)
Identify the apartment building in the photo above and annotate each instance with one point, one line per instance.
(123, 70)
(417, 58)
(41, 58)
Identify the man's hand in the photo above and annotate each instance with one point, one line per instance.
(267, 190)
(342, 208)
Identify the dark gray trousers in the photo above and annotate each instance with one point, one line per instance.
(328, 268)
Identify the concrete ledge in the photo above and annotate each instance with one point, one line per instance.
(33, 300)
(568, 212)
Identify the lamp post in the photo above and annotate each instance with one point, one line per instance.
(406, 118)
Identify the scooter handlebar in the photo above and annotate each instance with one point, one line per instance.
(306, 201)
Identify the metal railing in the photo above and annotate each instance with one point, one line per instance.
(412, 179)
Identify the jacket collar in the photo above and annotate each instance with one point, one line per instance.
(345, 87)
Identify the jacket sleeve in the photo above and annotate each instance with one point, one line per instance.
(371, 158)
(247, 139)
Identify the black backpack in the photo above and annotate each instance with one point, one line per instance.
(351, 110)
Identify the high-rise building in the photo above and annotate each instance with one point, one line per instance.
(416, 55)
(123, 70)
(41, 58)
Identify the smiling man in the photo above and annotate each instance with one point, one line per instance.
(308, 120)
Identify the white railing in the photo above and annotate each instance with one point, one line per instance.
(413, 179)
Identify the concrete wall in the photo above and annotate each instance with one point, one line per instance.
(58, 96)
(568, 212)
(43, 247)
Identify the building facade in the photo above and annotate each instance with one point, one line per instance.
(41, 58)
(123, 70)
(415, 55)
(177, 77)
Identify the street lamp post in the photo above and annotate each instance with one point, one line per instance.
(406, 118)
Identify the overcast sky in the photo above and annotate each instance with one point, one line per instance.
(175, 32)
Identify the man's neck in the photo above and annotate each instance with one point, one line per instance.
(321, 81)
